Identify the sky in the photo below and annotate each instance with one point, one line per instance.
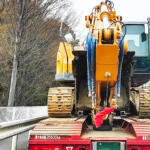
(130, 10)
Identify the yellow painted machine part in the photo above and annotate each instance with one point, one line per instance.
(65, 50)
(107, 62)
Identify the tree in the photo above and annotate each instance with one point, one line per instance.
(28, 15)
(31, 45)
(39, 64)
(2, 5)
(5, 55)
(18, 37)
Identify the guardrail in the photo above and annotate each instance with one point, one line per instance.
(16, 120)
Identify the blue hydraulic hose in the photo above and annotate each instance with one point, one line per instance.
(121, 56)
(88, 47)
(93, 64)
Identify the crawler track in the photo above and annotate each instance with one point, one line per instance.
(144, 103)
(61, 101)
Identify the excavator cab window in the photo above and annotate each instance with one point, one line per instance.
(137, 39)
(138, 36)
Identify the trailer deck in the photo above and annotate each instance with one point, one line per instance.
(76, 134)
(115, 134)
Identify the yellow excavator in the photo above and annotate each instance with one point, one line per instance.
(97, 74)
(61, 98)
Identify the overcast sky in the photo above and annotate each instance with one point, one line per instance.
(130, 10)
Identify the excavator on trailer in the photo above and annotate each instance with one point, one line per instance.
(100, 65)
(108, 72)
(103, 70)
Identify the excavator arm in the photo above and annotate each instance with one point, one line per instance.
(106, 48)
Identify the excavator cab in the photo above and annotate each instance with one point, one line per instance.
(138, 36)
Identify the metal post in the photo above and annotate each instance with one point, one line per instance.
(13, 113)
(28, 113)
(14, 142)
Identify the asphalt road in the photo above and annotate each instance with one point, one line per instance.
(22, 143)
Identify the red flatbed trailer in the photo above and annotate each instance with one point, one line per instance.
(75, 134)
